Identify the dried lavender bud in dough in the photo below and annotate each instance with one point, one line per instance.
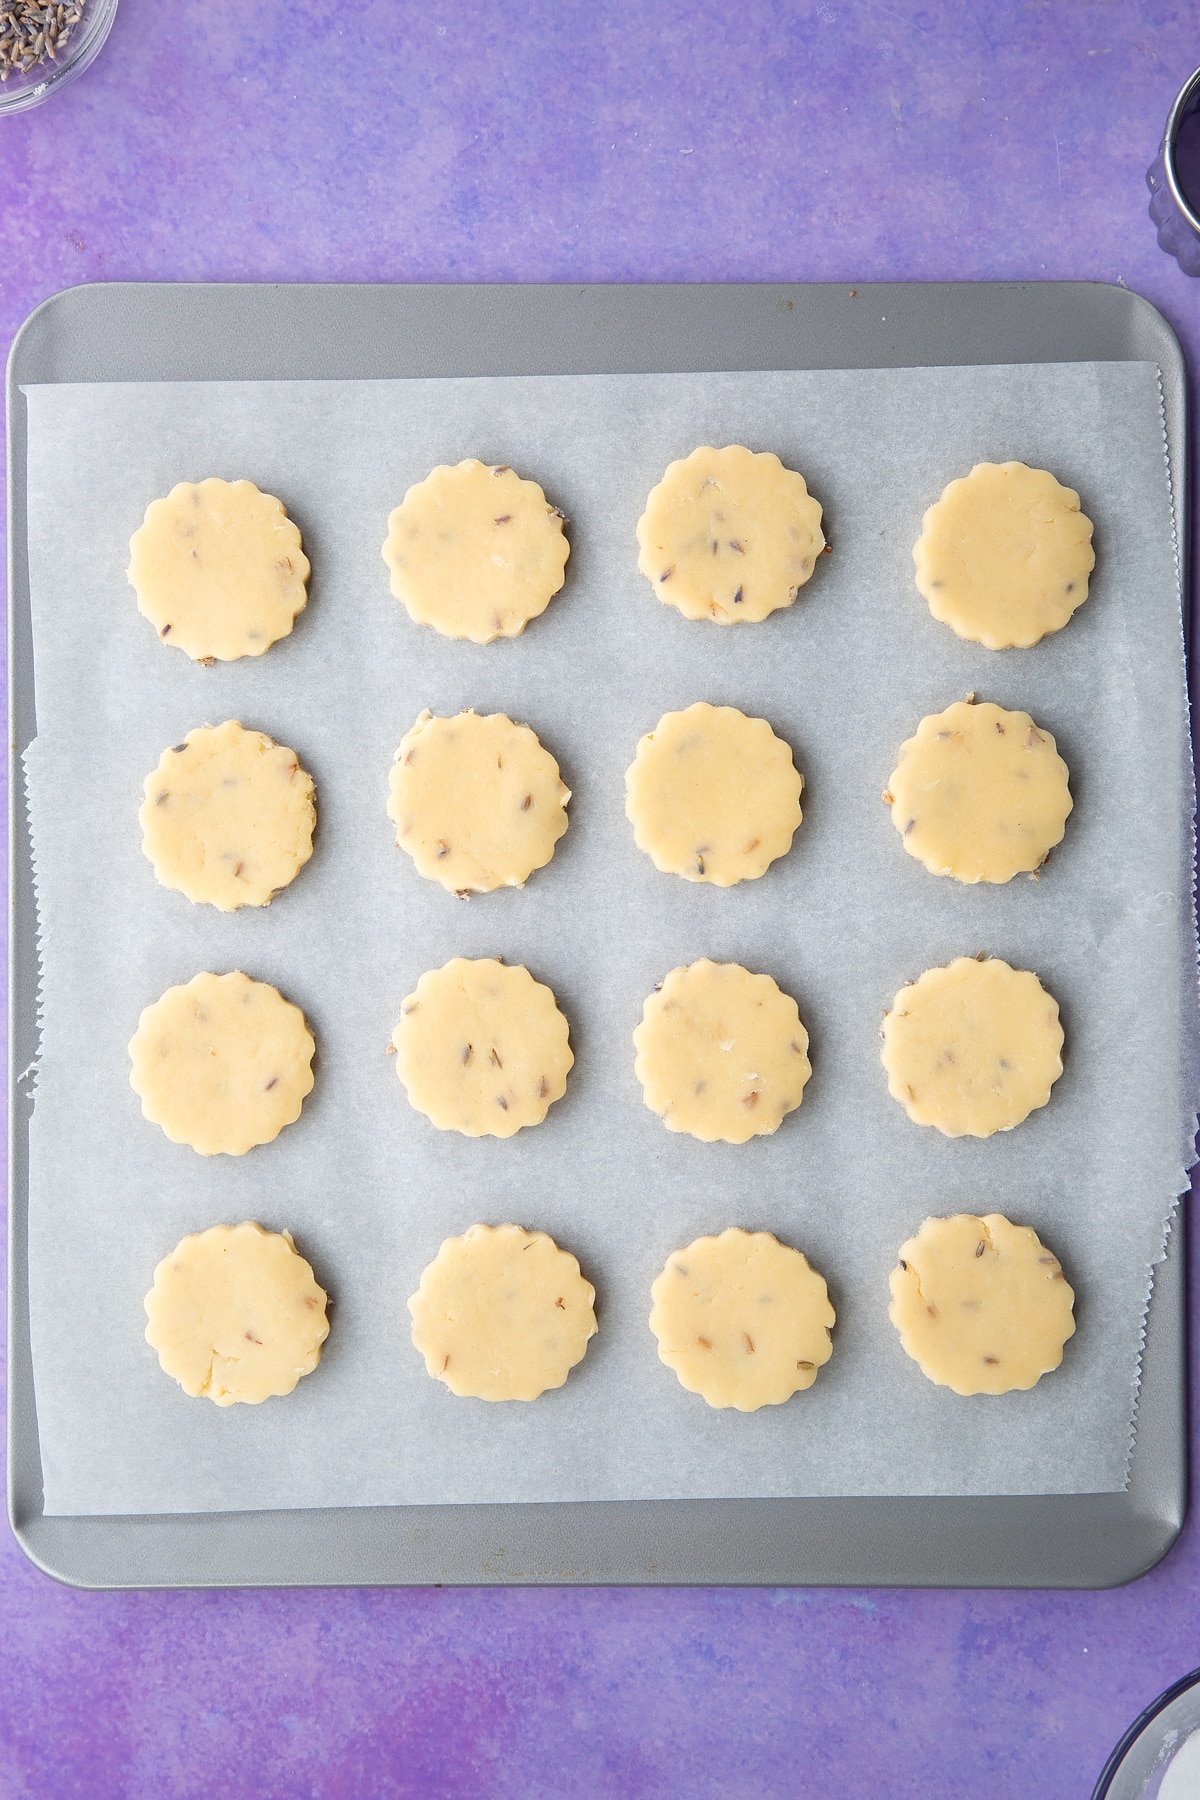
(236, 1315)
(222, 1063)
(713, 795)
(475, 551)
(477, 802)
(981, 1305)
(482, 1048)
(721, 1053)
(729, 535)
(1004, 556)
(742, 1319)
(972, 1048)
(502, 1314)
(228, 817)
(979, 793)
(218, 570)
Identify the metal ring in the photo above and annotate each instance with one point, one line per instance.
(1187, 101)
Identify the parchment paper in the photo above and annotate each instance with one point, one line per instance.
(367, 1186)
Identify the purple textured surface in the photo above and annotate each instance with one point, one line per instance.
(695, 141)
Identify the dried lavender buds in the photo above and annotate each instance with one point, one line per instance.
(31, 35)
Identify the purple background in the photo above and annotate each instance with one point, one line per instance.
(559, 141)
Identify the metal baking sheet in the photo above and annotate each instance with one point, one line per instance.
(87, 334)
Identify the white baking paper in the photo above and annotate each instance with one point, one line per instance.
(368, 1187)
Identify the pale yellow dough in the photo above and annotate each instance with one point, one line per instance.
(972, 1048)
(1004, 556)
(236, 1315)
(475, 551)
(721, 1053)
(477, 802)
(713, 795)
(218, 570)
(742, 1319)
(222, 1063)
(502, 1314)
(979, 793)
(729, 535)
(228, 817)
(980, 1304)
(482, 1048)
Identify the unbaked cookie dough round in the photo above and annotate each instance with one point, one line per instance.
(222, 1063)
(742, 1319)
(482, 1048)
(218, 569)
(236, 1315)
(475, 551)
(730, 535)
(721, 1053)
(502, 1314)
(972, 1048)
(476, 801)
(979, 793)
(228, 817)
(981, 1305)
(713, 795)
(1004, 556)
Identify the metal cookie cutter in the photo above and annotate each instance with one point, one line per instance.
(1174, 180)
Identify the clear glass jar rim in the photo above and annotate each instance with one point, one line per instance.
(1148, 1715)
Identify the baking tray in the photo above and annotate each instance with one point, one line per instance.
(196, 332)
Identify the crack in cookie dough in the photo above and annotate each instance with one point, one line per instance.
(980, 1304)
(979, 794)
(502, 1314)
(1004, 556)
(477, 802)
(972, 1048)
(218, 570)
(222, 1063)
(713, 795)
(228, 817)
(742, 1319)
(482, 1048)
(236, 1315)
(475, 551)
(721, 1053)
(729, 535)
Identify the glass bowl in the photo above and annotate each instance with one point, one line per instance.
(45, 78)
(1160, 1753)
